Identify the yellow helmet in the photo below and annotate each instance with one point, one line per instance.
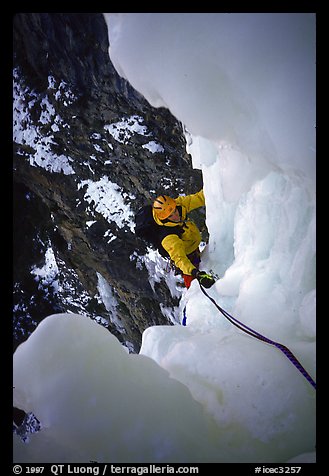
(163, 206)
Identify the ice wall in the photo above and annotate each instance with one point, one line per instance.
(244, 87)
(98, 403)
(247, 79)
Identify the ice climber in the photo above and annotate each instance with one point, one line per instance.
(180, 237)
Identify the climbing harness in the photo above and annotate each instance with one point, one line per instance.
(253, 333)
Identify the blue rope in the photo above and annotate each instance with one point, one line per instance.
(184, 317)
(259, 336)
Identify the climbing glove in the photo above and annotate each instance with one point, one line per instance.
(205, 279)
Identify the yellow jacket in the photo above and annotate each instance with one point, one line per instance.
(179, 247)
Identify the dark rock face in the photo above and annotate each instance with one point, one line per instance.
(81, 132)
